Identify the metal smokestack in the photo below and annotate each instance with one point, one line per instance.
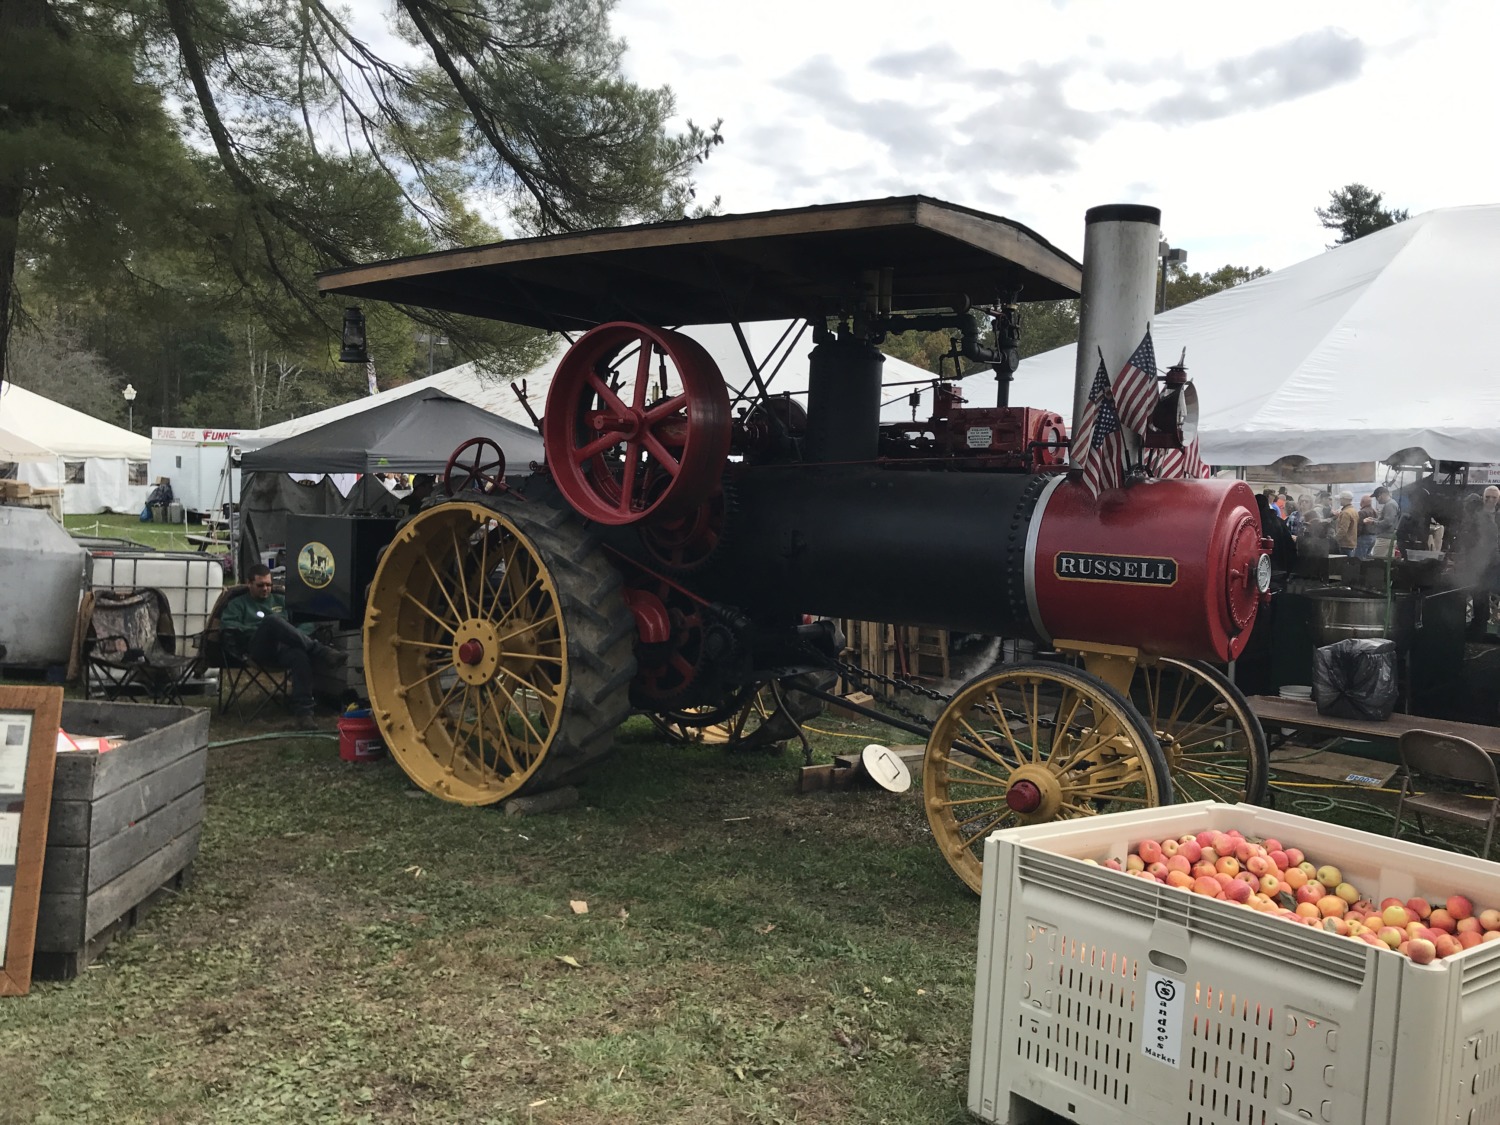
(1120, 243)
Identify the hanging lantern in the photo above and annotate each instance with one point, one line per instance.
(354, 349)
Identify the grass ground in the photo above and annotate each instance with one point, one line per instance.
(111, 525)
(352, 950)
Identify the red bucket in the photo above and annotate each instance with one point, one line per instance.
(359, 739)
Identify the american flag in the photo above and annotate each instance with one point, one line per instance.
(1097, 442)
(1135, 385)
(1169, 464)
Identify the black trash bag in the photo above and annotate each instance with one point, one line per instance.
(1356, 679)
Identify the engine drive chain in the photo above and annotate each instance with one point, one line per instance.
(852, 672)
(855, 673)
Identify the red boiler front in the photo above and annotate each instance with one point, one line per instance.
(1172, 567)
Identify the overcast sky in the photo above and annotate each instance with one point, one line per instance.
(1235, 120)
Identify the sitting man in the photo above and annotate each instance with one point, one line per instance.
(255, 625)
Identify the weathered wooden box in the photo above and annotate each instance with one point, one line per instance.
(125, 824)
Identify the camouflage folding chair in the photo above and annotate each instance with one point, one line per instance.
(130, 647)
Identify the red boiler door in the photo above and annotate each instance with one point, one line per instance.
(1171, 567)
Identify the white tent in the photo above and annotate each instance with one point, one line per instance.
(779, 341)
(100, 467)
(1378, 346)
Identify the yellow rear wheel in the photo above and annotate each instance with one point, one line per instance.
(498, 650)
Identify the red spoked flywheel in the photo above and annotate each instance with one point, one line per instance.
(620, 457)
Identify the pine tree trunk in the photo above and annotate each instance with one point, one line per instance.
(15, 16)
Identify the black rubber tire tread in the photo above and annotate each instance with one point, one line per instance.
(601, 637)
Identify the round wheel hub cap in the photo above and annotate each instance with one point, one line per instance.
(476, 651)
(1024, 797)
(1035, 793)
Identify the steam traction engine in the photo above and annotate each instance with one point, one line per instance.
(664, 557)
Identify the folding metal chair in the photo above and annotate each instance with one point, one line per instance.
(130, 647)
(244, 684)
(1439, 762)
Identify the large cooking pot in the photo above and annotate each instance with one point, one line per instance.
(1344, 613)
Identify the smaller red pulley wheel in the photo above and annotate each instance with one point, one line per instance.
(620, 458)
(478, 464)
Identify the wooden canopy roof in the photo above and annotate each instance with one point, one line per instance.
(772, 265)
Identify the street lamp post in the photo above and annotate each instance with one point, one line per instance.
(129, 394)
(1170, 256)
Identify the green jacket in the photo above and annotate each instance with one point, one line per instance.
(243, 615)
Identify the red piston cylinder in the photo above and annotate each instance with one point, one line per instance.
(1172, 567)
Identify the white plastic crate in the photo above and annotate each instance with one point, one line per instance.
(1107, 999)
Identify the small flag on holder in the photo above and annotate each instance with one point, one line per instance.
(1171, 464)
(1097, 441)
(1135, 385)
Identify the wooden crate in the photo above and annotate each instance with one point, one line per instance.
(907, 652)
(125, 825)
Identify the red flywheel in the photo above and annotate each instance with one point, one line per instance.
(620, 457)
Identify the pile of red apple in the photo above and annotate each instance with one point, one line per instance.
(1282, 882)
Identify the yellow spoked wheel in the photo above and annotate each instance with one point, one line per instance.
(498, 648)
(1030, 743)
(1214, 745)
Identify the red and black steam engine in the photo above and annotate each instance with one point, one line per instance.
(685, 530)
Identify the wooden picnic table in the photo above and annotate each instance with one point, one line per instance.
(206, 542)
(1272, 710)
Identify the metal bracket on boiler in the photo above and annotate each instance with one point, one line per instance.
(1114, 664)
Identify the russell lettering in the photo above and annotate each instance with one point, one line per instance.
(1135, 569)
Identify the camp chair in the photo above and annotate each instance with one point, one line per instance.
(1437, 762)
(243, 682)
(130, 648)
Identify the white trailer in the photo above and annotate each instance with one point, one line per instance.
(203, 466)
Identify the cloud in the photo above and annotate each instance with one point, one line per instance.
(1284, 72)
(939, 60)
(1030, 127)
(693, 61)
(907, 129)
(1025, 121)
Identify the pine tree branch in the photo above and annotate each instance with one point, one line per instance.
(416, 12)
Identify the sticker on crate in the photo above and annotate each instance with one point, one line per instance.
(1161, 1022)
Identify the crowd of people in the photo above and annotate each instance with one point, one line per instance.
(1317, 525)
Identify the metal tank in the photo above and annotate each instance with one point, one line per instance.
(43, 575)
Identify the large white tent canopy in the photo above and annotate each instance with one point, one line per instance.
(1378, 346)
(54, 445)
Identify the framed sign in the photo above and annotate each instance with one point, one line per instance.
(29, 720)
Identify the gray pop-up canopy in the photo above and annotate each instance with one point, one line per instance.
(414, 434)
